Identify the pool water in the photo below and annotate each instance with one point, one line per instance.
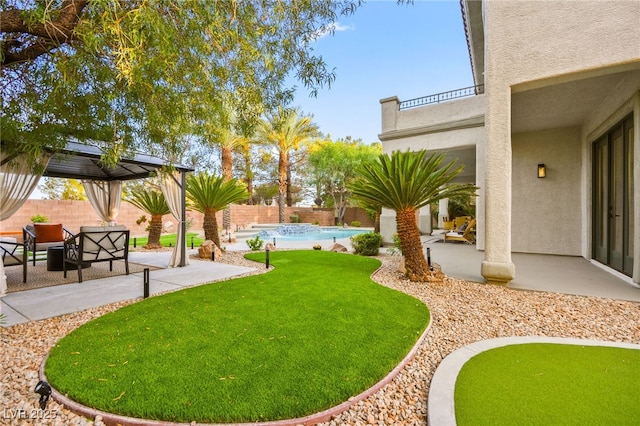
(309, 233)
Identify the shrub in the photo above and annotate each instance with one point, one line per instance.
(294, 218)
(396, 250)
(355, 223)
(366, 244)
(39, 219)
(256, 243)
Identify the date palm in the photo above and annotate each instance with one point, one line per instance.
(405, 182)
(285, 130)
(229, 140)
(209, 194)
(152, 202)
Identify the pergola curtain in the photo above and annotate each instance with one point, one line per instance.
(104, 197)
(17, 182)
(173, 191)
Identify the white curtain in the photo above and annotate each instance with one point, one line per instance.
(172, 193)
(104, 198)
(17, 182)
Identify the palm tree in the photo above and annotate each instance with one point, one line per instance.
(220, 125)
(229, 140)
(209, 194)
(286, 129)
(405, 182)
(152, 202)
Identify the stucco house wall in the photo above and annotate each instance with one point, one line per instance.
(546, 213)
(557, 75)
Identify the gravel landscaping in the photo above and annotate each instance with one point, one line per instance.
(463, 312)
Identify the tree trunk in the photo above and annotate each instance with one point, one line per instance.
(155, 231)
(248, 173)
(281, 208)
(227, 163)
(282, 183)
(210, 226)
(227, 173)
(415, 263)
(289, 195)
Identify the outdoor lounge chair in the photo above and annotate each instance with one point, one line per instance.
(461, 220)
(14, 253)
(465, 234)
(40, 236)
(96, 244)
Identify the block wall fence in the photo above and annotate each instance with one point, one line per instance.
(73, 214)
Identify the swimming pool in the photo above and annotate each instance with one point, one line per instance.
(309, 232)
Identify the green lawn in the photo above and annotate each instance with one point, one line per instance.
(302, 338)
(550, 384)
(168, 240)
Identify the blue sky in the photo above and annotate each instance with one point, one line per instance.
(384, 50)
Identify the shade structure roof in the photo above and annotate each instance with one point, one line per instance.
(82, 161)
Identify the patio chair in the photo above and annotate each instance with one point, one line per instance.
(96, 244)
(40, 236)
(461, 220)
(14, 253)
(467, 233)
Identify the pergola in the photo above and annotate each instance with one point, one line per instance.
(82, 161)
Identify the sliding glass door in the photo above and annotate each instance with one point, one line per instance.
(613, 198)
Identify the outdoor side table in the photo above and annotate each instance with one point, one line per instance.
(55, 258)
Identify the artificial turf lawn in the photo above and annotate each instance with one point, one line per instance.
(168, 240)
(294, 341)
(550, 384)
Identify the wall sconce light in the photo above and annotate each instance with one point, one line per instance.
(542, 171)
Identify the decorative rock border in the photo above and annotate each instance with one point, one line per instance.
(322, 416)
(441, 392)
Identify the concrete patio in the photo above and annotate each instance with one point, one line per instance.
(536, 272)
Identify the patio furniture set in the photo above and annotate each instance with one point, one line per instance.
(65, 250)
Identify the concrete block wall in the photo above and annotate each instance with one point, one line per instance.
(73, 214)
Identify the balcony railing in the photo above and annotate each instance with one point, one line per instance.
(442, 97)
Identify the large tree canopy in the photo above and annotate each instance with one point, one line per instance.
(139, 74)
(333, 167)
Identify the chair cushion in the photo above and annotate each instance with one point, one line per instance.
(102, 228)
(45, 246)
(48, 232)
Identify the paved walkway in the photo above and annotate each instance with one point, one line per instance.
(47, 302)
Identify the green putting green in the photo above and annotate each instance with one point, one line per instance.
(550, 384)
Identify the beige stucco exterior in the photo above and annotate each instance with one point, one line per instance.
(557, 76)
